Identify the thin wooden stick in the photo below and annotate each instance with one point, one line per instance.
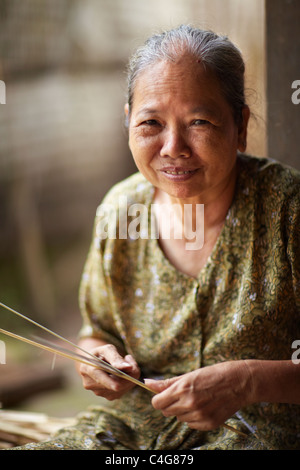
(47, 330)
(76, 357)
(99, 362)
(231, 428)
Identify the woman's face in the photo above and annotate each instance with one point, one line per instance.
(182, 133)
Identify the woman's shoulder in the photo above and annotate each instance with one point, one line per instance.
(270, 177)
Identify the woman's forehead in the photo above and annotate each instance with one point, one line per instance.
(185, 81)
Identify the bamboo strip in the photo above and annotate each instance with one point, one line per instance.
(76, 357)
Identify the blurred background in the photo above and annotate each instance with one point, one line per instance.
(63, 144)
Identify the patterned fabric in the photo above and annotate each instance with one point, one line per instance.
(244, 304)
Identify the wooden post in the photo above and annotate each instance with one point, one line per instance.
(282, 75)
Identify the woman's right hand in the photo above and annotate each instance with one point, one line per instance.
(101, 383)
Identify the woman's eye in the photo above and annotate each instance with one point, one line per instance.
(150, 122)
(200, 122)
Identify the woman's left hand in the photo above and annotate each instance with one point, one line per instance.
(206, 397)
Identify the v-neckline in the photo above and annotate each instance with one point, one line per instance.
(223, 236)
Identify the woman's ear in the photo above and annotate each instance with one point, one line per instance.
(126, 111)
(242, 135)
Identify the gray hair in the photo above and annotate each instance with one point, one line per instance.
(216, 53)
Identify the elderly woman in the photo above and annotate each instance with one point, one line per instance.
(211, 326)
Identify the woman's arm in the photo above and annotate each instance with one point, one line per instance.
(207, 397)
(101, 383)
(275, 381)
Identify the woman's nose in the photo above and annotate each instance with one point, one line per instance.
(175, 144)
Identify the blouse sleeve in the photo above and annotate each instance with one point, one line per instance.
(293, 243)
(95, 295)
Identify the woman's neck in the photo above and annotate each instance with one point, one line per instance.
(214, 204)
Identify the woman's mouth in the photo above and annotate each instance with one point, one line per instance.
(178, 174)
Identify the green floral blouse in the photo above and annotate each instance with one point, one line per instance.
(244, 304)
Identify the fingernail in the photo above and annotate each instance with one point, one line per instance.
(125, 364)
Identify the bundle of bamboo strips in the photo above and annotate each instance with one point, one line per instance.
(19, 428)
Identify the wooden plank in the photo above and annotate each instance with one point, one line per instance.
(18, 428)
(18, 383)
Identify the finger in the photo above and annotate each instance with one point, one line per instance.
(95, 378)
(133, 368)
(110, 389)
(106, 380)
(155, 385)
(101, 392)
(192, 418)
(128, 358)
(164, 400)
(159, 386)
(110, 354)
